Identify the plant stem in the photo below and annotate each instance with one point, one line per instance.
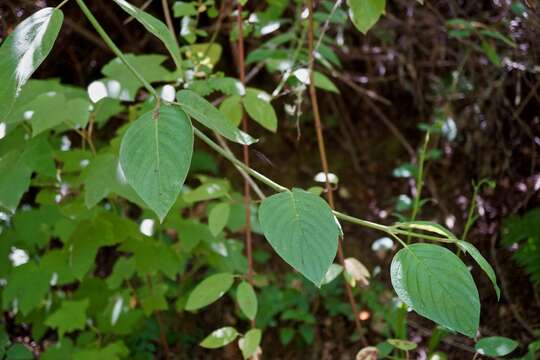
(419, 181)
(324, 160)
(168, 19)
(61, 4)
(247, 188)
(237, 162)
(114, 48)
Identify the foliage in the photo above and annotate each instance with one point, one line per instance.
(524, 233)
(118, 224)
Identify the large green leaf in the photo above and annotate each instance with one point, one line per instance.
(365, 13)
(302, 230)
(156, 154)
(23, 51)
(482, 262)
(156, 27)
(436, 284)
(209, 290)
(205, 113)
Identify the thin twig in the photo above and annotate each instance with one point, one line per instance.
(168, 19)
(247, 187)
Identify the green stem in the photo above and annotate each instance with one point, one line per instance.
(237, 162)
(470, 215)
(114, 48)
(419, 181)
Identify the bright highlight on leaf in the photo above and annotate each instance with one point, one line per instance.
(250, 342)
(219, 338)
(436, 284)
(496, 346)
(155, 156)
(23, 52)
(302, 229)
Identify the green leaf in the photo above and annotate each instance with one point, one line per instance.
(152, 256)
(259, 109)
(498, 36)
(52, 109)
(323, 82)
(204, 112)
(123, 85)
(219, 338)
(218, 217)
(250, 342)
(14, 181)
(302, 229)
(365, 13)
(437, 285)
(156, 27)
(123, 269)
(70, 317)
(333, 272)
(209, 290)
(495, 346)
(114, 351)
(429, 227)
(247, 300)
(23, 52)
(156, 154)
(63, 349)
(211, 189)
(17, 166)
(212, 50)
(183, 8)
(400, 344)
(19, 352)
(491, 53)
(286, 335)
(104, 177)
(482, 262)
(231, 107)
(84, 244)
(153, 299)
(28, 285)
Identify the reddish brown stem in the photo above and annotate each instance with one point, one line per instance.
(247, 188)
(324, 160)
